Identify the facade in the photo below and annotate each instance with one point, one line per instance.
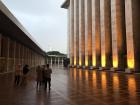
(16, 44)
(104, 34)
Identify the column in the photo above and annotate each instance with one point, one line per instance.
(0, 52)
(81, 33)
(105, 23)
(88, 33)
(0, 43)
(11, 56)
(118, 34)
(58, 60)
(76, 32)
(14, 56)
(71, 32)
(4, 54)
(96, 45)
(132, 8)
(7, 53)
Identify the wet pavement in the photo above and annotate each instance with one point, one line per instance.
(73, 87)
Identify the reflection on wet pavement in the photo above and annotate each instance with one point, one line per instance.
(74, 87)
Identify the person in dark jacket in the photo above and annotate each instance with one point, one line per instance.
(25, 72)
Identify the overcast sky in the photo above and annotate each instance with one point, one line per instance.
(44, 20)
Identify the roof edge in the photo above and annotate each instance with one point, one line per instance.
(65, 4)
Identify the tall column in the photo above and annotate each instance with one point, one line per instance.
(96, 45)
(68, 33)
(118, 34)
(88, 33)
(0, 43)
(11, 56)
(14, 51)
(81, 33)
(132, 8)
(71, 32)
(7, 53)
(76, 32)
(0, 52)
(105, 21)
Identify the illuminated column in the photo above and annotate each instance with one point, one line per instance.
(88, 33)
(118, 34)
(105, 21)
(76, 32)
(72, 32)
(96, 46)
(132, 8)
(81, 33)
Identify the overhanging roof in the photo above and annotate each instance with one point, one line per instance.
(65, 4)
(11, 27)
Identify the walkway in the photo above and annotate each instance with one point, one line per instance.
(74, 87)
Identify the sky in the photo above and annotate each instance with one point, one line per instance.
(44, 20)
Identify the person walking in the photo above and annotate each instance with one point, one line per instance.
(47, 76)
(25, 72)
(39, 76)
(17, 74)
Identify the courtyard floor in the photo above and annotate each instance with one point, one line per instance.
(74, 87)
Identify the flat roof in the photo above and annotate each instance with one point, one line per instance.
(65, 4)
(9, 16)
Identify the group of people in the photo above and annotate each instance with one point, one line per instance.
(43, 76)
(21, 74)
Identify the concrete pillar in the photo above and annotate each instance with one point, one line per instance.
(105, 23)
(132, 8)
(58, 60)
(118, 34)
(4, 54)
(76, 32)
(14, 51)
(88, 33)
(7, 53)
(81, 33)
(71, 32)
(96, 45)
(0, 43)
(11, 56)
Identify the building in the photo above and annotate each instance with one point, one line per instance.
(16, 45)
(104, 34)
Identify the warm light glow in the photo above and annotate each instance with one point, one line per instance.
(86, 75)
(103, 60)
(74, 61)
(94, 60)
(115, 82)
(80, 74)
(130, 61)
(115, 61)
(104, 83)
(75, 73)
(132, 86)
(94, 77)
(86, 61)
(71, 61)
(80, 62)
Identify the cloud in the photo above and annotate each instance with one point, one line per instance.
(44, 20)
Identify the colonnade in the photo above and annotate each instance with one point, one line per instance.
(104, 34)
(13, 52)
(55, 60)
